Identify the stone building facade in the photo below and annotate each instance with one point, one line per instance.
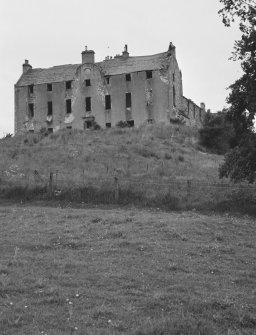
(137, 90)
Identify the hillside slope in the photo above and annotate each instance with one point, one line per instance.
(154, 152)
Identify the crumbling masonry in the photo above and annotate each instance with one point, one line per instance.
(137, 90)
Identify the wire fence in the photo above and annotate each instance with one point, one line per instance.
(170, 193)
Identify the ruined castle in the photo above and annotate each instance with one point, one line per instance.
(138, 90)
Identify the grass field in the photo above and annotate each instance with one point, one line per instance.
(117, 270)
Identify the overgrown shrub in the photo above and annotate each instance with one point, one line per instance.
(122, 124)
(217, 133)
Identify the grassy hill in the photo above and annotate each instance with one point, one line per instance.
(156, 165)
(152, 152)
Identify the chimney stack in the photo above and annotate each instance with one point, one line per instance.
(202, 106)
(88, 56)
(26, 66)
(125, 52)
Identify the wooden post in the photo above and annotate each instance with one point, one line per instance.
(116, 189)
(56, 181)
(50, 189)
(189, 184)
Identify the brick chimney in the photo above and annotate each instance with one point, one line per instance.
(87, 56)
(26, 66)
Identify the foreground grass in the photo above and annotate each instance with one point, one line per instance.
(125, 271)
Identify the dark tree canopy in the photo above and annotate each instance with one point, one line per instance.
(240, 162)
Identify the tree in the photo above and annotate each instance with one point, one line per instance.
(217, 133)
(242, 98)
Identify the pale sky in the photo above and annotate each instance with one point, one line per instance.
(55, 32)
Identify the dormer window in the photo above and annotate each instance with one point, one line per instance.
(148, 74)
(68, 85)
(49, 87)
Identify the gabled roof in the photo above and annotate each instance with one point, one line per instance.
(50, 75)
(111, 67)
(134, 64)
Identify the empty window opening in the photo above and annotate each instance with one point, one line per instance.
(107, 80)
(87, 82)
(131, 123)
(50, 130)
(30, 110)
(174, 96)
(49, 87)
(128, 100)
(148, 74)
(108, 125)
(31, 89)
(68, 106)
(128, 77)
(107, 101)
(87, 124)
(49, 108)
(88, 105)
(68, 85)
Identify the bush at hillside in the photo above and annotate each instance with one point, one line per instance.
(217, 134)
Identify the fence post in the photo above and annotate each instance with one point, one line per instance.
(50, 189)
(116, 189)
(56, 180)
(189, 184)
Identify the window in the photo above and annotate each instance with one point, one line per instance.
(87, 82)
(69, 127)
(88, 124)
(128, 100)
(68, 85)
(68, 106)
(174, 96)
(30, 110)
(31, 130)
(31, 89)
(128, 77)
(50, 130)
(148, 74)
(88, 106)
(108, 125)
(107, 101)
(49, 108)
(173, 77)
(150, 121)
(131, 123)
(107, 80)
(49, 87)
